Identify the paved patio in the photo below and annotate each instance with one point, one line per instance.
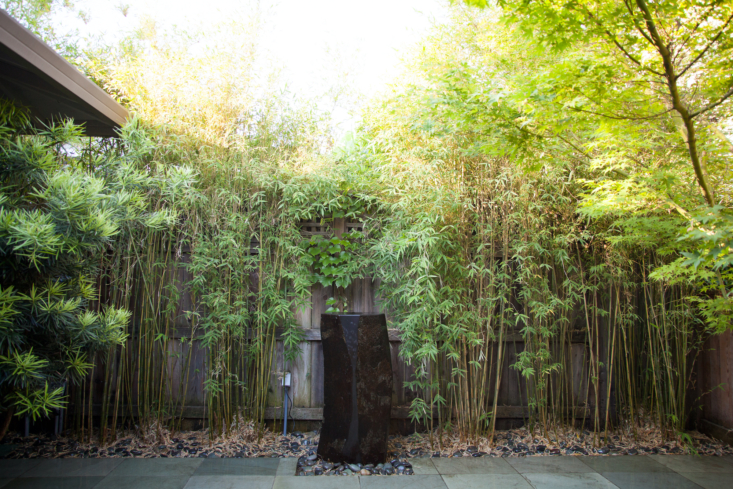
(650, 471)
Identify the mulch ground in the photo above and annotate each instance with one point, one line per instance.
(244, 442)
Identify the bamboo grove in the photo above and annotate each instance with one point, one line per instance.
(508, 241)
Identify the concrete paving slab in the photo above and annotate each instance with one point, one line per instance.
(658, 471)
(54, 483)
(82, 467)
(238, 466)
(333, 482)
(15, 468)
(143, 482)
(486, 481)
(423, 466)
(403, 482)
(481, 465)
(649, 480)
(708, 480)
(157, 467)
(287, 466)
(230, 482)
(692, 463)
(630, 463)
(549, 465)
(569, 481)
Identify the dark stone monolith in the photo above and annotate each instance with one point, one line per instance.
(357, 382)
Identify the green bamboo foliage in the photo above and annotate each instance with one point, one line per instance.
(509, 270)
(496, 258)
(223, 283)
(493, 279)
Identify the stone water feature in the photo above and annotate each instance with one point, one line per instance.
(357, 388)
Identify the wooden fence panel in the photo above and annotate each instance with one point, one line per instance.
(715, 390)
(275, 394)
(307, 369)
(187, 374)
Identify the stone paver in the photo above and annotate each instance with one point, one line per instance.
(74, 467)
(143, 482)
(649, 480)
(15, 468)
(423, 466)
(157, 467)
(403, 482)
(708, 480)
(692, 463)
(549, 465)
(293, 482)
(231, 482)
(569, 481)
(239, 466)
(473, 466)
(482, 481)
(287, 466)
(620, 472)
(638, 463)
(54, 483)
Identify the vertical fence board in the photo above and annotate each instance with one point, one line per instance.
(319, 296)
(301, 377)
(316, 374)
(715, 373)
(275, 393)
(398, 389)
(308, 368)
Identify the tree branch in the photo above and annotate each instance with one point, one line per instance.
(636, 23)
(677, 103)
(613, 38)
(712, 106)
(702, 16)
(542, 136)
(621, 118)
(702, 53)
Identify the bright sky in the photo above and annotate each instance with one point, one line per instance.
(313, 41)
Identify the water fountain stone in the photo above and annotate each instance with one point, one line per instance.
(357, 381)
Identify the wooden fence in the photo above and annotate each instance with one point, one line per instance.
(307, 370)
(714, 393)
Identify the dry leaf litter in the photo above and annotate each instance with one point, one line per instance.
(244, 442)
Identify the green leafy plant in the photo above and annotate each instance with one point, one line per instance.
(334, 264)
(542, 222)
(57, 219)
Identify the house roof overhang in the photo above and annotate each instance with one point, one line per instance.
(37, 77)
